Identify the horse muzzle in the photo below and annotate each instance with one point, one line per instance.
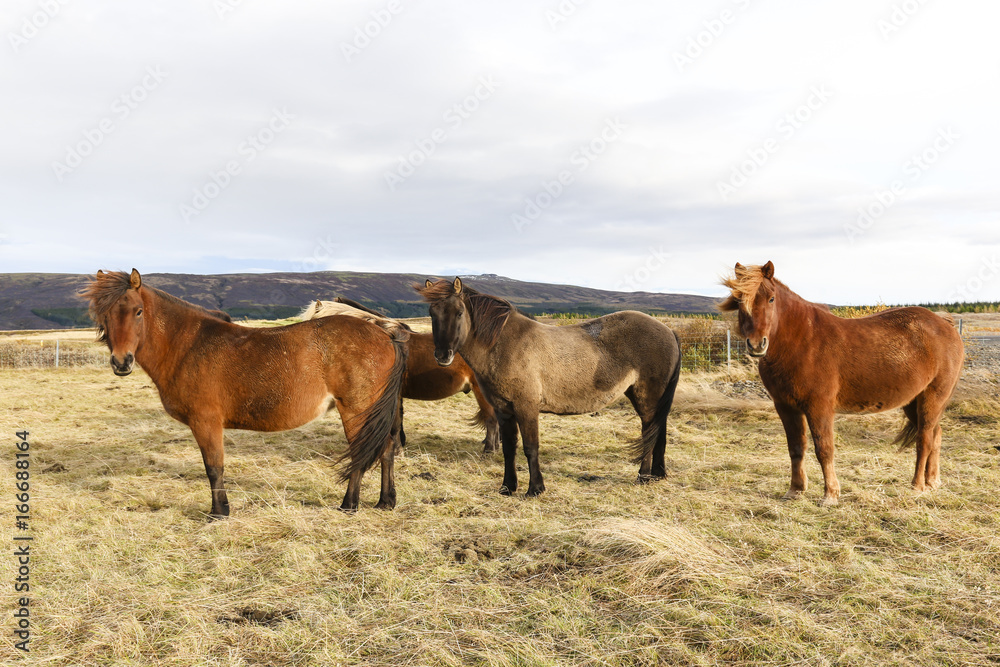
(444, 358)
(757, 351)
(124, 367)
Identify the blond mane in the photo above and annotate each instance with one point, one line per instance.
(743, 285)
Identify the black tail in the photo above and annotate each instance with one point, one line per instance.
(908, 434)
(647, 442)
(380, 417)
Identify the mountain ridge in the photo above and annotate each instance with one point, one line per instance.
(50, 301)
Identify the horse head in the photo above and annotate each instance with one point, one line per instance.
(752, 295)
(450, 320)
(116, 306)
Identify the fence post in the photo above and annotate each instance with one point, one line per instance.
(57, 353)
(960, 326)
(729, 334)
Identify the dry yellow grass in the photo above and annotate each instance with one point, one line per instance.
(706, 567)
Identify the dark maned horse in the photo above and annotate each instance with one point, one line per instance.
(815, 364)
(426, 380)
(214, 375)
(525, 367)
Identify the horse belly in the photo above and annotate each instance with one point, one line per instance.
(282, 414)
(580, 400)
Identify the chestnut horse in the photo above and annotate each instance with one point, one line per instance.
(525, 368)
(425, 379)
(815, 364)
(213, 375)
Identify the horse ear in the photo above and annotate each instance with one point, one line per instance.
(458, 285)
(767, 271)
(428, 283)
(740, 269)
(99, 273)
(135, 280)
(319, 304)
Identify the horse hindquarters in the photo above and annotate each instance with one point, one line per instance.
(372, 433)
(653, 408)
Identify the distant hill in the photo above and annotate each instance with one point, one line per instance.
(49, 301)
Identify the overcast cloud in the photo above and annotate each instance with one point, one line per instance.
(618, 145)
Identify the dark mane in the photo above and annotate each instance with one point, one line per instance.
(102, 293)
(487, 313)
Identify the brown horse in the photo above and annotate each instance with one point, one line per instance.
(425, 380)
(815, 364)
(214, 375)
(525, 368)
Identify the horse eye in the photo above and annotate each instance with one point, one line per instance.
(138, 313)
(771, 300)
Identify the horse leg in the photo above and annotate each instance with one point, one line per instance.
(821, 425)
(387, 496)
(487, 417)
(528, 425)
(352, 498)
(932, 475)
(930, 406)
(209, 438)
(646, 463)
(795, 432)
(508, 437)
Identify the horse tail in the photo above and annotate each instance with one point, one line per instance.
(380, 417)
(908, 434)
(647, 442)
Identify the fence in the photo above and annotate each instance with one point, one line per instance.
(700, 351)
(51, 354)
(704, 351)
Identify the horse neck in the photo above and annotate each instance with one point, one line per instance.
(477, 353)
(793, 321)
(166, 336)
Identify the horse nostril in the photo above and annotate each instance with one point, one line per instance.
(763, 342)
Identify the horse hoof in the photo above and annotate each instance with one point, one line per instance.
(504, 491)
(385, 506)
(648, 479)
(793, 495)
(346, 509)
(534, 492)
(829, 502)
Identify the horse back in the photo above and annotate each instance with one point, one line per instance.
(582, 367)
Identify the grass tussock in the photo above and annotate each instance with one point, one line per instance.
(706, 567)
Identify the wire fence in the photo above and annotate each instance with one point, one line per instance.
(700, 351)
(705, 351)
(51, 354)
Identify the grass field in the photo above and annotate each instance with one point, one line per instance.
(706, 567)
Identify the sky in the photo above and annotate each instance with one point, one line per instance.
(619, 145)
